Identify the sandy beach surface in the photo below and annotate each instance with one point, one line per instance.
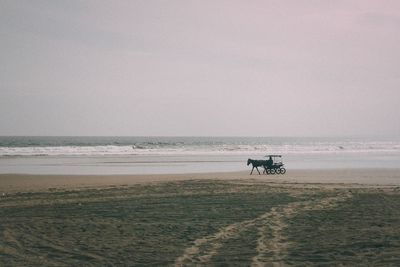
(342, 217)
(11, 183)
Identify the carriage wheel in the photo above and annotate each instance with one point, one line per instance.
(278, 171)
(283, 170)
(272, 171)
(268, 171)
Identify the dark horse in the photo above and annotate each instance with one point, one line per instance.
(256, 164)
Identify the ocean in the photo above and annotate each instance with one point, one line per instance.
(154, 155)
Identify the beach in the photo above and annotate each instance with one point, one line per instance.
(305, 217)
(14, 183)
(199, 133)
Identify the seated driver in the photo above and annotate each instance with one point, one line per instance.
(270, 162)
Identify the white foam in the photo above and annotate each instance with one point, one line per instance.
(220, 149)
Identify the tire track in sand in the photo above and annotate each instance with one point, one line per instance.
(272, 250)
(271, 244)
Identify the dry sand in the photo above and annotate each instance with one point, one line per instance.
(11, 183)
(302, 218)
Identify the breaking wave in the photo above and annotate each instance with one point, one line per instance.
(193, 148)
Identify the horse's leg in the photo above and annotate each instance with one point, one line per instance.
(258, 171)
(252, 171)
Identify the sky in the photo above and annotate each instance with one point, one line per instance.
(200, 68)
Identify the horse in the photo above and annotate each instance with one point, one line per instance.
(256, 164)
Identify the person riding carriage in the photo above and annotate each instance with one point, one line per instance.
(270, 162)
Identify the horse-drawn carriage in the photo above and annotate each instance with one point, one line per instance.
(273, 165)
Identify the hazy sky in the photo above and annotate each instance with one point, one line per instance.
(263, 68)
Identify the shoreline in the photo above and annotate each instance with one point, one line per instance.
(14, 183)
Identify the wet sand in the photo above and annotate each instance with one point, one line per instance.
(305, 217)
(11, 183)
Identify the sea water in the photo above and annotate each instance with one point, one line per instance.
(148, 155)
